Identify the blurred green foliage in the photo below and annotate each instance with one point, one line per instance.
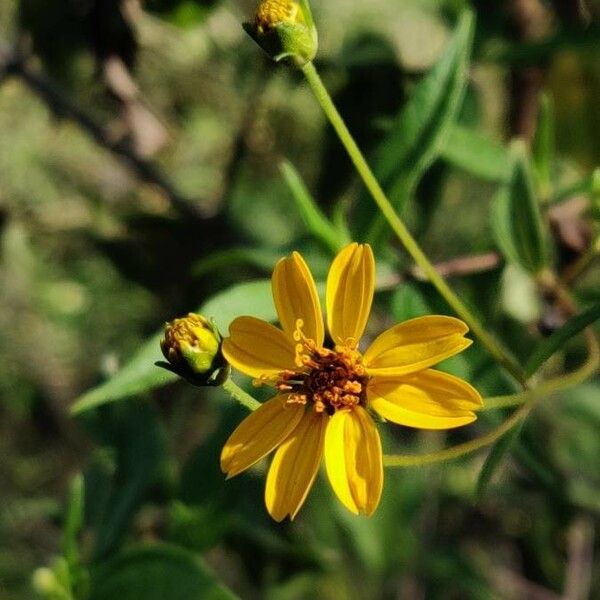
(152, 161)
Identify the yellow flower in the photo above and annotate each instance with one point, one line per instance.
(328, 388)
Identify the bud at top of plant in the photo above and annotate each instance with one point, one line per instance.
(192, 345)
(284, 29)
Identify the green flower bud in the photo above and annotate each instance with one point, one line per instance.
(192, 345)
(285, 30)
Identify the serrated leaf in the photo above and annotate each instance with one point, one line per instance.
(476, 154)
(140, 374)
(155, 573)
(516, 216)
(560, 337)
(420, 131)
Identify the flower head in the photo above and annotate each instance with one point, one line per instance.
(192, 345)
(328, 389)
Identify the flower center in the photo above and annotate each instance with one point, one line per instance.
(327, 379)
(272, 12)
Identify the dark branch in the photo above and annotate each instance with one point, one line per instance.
(14, 65)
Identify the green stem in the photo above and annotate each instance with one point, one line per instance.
(240, 395)
(497, 402)
(415, 460)
(400, 229)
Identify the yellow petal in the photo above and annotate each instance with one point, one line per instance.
(295, 296)
(429, 400)
(258, 348)
(259, 433)
(294, 467)
(353, 460)
(350, 286)
(415, 345)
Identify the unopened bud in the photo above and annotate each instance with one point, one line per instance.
(192, 345)
(285, 30)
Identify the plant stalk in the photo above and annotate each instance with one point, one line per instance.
(400, 229)
(240, 395)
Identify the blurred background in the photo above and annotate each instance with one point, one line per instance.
(140, 153)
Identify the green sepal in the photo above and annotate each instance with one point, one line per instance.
(212, 378)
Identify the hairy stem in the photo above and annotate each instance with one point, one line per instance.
(240, 395)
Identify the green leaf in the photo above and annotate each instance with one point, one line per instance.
(535, 52)
(511, 442)
(137, 376)
(575, 451)
(408, 302)
(251, 298)
(316, 222)
(543, 147)
(261, 259)
(556, 341)
(516, 216)
(184, 13)
(560, 337)
(494, 458)
(420, 131)
(476, 154)
(155, 573)
(133, 449)
(140, 374)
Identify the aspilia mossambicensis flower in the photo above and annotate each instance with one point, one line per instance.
(328, 390)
